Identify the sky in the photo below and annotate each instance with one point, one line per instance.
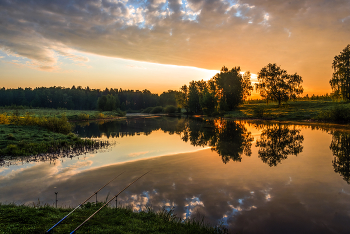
(164, 44)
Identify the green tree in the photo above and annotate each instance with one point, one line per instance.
(193, 97)
(182, 97)
(246, 85)
(208, 102)
(168, 98)
(232, 87)
(340, 81)
(108, 103)
(276, 85)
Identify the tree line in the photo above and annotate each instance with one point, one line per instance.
(229, 88)
(223, 92)
(78, 98)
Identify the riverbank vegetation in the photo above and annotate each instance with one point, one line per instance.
(33, 135)
(34, 140)
(38, 219)
(71, 115)
(301, 110)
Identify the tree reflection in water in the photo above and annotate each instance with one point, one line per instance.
(340, 147)
(277, 142)
(229, 139)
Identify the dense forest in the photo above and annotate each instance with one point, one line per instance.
(78, 98)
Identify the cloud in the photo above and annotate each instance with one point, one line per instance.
(303, 36)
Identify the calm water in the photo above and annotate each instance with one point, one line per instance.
(253, 177)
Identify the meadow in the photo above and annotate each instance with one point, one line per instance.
(301, 110)
(33, 140)
(38, 219)
(30, 134)
(72, 115)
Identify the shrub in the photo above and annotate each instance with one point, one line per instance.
(10, 136)
(340, 114)
(156, 110)
(12, 149)
(170, 109)
(4, 119)
(83, 116)
(120, 113)
(100, 116)
(147, 110)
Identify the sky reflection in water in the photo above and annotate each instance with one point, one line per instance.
(252, 177)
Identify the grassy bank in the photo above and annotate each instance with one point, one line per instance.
(326, 111)
(33, 140)
(72, 115)
(23, 219)
(33, 135)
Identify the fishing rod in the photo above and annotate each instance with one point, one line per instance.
(83, 202)
(107, 203)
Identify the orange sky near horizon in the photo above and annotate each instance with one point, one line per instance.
(161, 45)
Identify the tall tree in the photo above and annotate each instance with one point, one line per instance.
(208, 102)
(193, 97)
(340, 81)
(182, 97)
(246, 85)
(276, 85)
(232, 87)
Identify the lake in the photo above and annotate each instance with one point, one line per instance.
(249, 176)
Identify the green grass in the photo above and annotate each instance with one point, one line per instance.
(295, 111)
(72, 115)
(32, 140)
(24, 219)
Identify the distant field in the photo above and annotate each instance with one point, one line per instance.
(297, 110)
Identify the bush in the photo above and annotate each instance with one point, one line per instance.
(339, 114)
(170, 109)
(60, 125)
(156, 110)
(119, 113)
(83, 116)
(100, 116)
(4, 119)
(10, 136)
(147, 110)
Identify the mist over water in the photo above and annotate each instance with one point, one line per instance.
(253, 177)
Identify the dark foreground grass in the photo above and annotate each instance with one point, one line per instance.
(32, 140)
(292, 111)
(23, 219)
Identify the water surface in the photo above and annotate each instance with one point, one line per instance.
(252, 177)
